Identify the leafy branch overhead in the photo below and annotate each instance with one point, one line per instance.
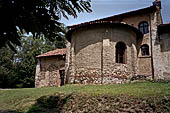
(37, 17)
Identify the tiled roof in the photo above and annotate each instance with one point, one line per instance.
(53, 53)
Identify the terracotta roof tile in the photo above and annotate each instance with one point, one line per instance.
(53, 53)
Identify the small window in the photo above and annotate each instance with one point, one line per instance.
(120, 52)
(145, 50)
(143, 27)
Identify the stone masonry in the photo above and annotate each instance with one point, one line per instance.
(49, 68)
(92, 56)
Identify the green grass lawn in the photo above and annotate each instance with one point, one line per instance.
(22, 99)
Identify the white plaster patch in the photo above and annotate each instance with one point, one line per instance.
(106, 42)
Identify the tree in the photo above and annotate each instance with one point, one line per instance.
(18, 69)
(6, 66)
(36, 16)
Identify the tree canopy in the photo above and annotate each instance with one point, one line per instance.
(36, 17)
(18, 69)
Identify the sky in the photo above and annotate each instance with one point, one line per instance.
(106, 8)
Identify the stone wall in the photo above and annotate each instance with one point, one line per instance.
(86, 57)
(93, 55)
(114, 72)
(162, 58)
(159, 57)
(105, 67)
(144, 62)
(47, 71)
(144, 65)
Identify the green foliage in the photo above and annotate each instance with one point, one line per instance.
(18, 70)
(39, 18)
(6, 66)
(36, 16)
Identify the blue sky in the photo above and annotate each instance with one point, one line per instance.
(105, 8)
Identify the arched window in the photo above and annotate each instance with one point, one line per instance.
(120, 52)
(143, 27)
(145, 50)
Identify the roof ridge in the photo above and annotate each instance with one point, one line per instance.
(53, 53)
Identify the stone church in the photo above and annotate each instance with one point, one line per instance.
(130, 46)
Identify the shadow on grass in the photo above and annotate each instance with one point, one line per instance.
(9, 111)
(50, 104)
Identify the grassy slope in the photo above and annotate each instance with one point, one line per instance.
(22, 99)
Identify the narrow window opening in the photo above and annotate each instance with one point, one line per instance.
(145, 50)
(143, 27)
(120, 53)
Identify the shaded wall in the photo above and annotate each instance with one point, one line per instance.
(47, 71)
(93, 59)
(162, 58)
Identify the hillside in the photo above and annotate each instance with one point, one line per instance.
(134, 97)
